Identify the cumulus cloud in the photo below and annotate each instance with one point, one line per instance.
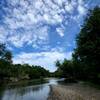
(2, 36)
(81, 8)
(31, 15)
(60, 31)
(45, 59)
(69, 7)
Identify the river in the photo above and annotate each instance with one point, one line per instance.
(33, 92)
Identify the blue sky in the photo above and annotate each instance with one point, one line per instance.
(39, 32)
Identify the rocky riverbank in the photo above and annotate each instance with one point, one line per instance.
(73, 92)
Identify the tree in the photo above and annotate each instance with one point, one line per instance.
(5, 54)
(58, 64)
(87, 51)
(5, 62)
(10, 71)
(65, 68)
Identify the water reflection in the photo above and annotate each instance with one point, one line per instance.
(26, 93)
(53, 81)
(35, 92)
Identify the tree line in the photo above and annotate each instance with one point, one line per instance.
(85, 62)
(15, 72)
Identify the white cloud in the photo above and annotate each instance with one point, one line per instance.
(81, 2)
(35, 36)
(2, 34)
(69, 8)
(45, 59)
(60, 31)
(32, 13)
(81, 10)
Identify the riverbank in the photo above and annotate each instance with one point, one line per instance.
(73, 92)
(24, 82)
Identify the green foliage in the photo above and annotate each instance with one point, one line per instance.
(85, 63)
(88, 44)
(5, 54)
(5, 61)
(9, 71)
(58, 64)
(65, 69)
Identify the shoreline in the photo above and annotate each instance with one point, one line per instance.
(73, 92)
(24, 82)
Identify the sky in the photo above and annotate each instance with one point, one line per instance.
(39, 32)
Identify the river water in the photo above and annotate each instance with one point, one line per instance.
(35, 92)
